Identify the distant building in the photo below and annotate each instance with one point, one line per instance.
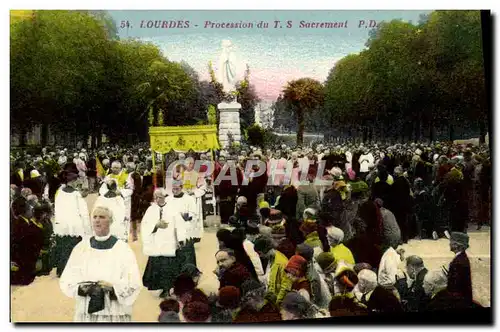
(264, 114)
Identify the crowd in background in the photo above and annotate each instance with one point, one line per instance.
(290, 250)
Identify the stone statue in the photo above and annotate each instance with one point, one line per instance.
(227, 67)
(228, 73)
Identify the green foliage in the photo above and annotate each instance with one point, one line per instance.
(160, 117)
(303, 96)
(212, 115)
(151, 117)
(255, 135)
(247, 97)
(69, 70)
(411, 80)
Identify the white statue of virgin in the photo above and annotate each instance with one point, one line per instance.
(228, 67)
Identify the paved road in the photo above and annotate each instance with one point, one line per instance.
(42, 301)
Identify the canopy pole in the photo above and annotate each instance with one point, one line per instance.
(153, 157)
(212, 184)
(164, 158)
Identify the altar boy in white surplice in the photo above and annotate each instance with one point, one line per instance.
(184, 205)
(102, 275)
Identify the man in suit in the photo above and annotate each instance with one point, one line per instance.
(459, 274)
(413, 297)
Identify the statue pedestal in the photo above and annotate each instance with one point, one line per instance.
(229, 122)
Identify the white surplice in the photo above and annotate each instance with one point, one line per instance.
(119, 227)
(162, 242)
(198, 191)
(187, 204)
(117, 266)
(126, 192)
(71, 215)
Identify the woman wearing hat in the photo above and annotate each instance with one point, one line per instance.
(296, 271)
(295, 307)
(255, 307)
(335, 238)
(227, 305)
(276, 264)
(459, 275)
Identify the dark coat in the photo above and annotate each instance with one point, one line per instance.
(383, 300)
(288, 202)
(36, 185)
(459, 277)
(268, 313)
(235, 276)
(445, 300)
(381, 190)
(332, 207)
(414, 298)
(355, 161)
(135, 212)
(27, 240)
(225, 188)
(365, 249)
(16, 179)
(423, 207)
(92, 167)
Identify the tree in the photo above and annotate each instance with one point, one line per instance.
(413, 79)
(283, 118)
(304, 95)
(55, 56)
(247, 97)
(256, 135)
(167, 85)
(453, 40)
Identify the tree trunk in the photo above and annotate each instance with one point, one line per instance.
(22, 136)
(451, 132)
(365, 134)
(482, 131)
(45, 134)
(98, 138)
(300, 127)
(402, 131)
(431, 130)
(418, 125)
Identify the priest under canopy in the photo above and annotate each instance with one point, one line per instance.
(102, 275)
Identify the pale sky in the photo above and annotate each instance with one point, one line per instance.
(275, 55)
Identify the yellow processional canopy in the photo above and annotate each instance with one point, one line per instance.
(182, 139)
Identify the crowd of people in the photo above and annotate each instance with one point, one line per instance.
(323, 241)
